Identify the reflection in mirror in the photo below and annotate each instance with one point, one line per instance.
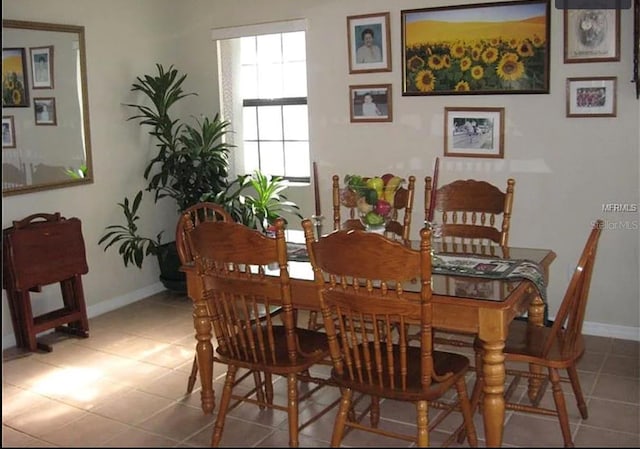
(46, 142)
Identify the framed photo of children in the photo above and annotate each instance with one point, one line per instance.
(8, 132)
(42, 67)
(370, 103)
(591, 35)
(591, 97)
(15, 91)
(45, 111)
(369, 43)
(474, 132)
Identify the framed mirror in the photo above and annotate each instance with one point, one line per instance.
(46, 139)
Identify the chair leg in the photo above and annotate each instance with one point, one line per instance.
(224, 405)
(292, 409)
(193, 376)
(422, 421)
(341, 417)
(577, 391)
(561, 406)
(467, 412)
(374, 411)
(476, 395)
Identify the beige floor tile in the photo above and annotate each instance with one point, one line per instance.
(133, 371)
(93, 428)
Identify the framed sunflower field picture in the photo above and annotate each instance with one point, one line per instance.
(489, 48)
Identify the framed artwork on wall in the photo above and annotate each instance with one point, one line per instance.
(591, 35)
(636, 46)
(8, 132)
(489, 48)
(369, 43)
(370, 103)
(474, 132)
(45, 111)
(591, 97)
(42, 67)
(15, 91)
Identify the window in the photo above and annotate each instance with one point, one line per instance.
(264, 96)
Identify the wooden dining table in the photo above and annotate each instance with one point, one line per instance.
(461, 303)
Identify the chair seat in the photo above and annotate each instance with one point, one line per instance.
(312, 348)
(526, 342)
(443, 362)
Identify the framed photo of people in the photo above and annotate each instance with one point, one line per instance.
(45, 111)
(369, 43)
(42, 67)
(474, 132)
(591, 96)
(370, 103)
(8, 132)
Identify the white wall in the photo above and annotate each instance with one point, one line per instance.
(564, 168)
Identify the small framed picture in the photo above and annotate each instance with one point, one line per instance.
(369, 43)
(591, 35)
(591, 97)
(45, 111)
(476, 288)
(42, 67)
(8, 132)
(474, 132)
(370, 103)
(15, 91)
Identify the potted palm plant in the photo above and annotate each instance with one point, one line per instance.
(191, 161)
(191, 165)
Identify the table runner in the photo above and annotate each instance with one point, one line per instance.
(465, 265)
(491, 268)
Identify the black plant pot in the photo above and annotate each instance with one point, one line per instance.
(170, 275)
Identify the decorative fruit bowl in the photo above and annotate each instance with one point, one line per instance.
(374, 198)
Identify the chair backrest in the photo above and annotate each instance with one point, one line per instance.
(366, 310)
(567, 325)
(198, 213)
(399, 225)
(472, 215)
(233, 261)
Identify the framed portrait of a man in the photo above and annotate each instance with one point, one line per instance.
(369, 43)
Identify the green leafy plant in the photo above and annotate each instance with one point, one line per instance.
(191, 160)
(133, 247)
(256, 200)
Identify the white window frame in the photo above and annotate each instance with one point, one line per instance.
(222, 36)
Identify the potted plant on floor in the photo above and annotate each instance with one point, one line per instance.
(191, 161)
(191, 165)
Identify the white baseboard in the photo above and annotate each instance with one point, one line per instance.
(610, 330)
(9, 341)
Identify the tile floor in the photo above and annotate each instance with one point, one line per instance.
(125, 386)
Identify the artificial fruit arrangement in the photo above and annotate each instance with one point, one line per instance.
(374, 197)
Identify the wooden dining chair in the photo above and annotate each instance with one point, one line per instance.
(200, 213)
(469, 217)
(555, 348)
(360, 278)
(234, 263)
(399, 225)
(472, 216)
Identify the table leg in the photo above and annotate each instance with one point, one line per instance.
(536, 318)
(493, 410)
(204, 349)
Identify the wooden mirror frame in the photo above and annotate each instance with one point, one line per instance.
(78, 31)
